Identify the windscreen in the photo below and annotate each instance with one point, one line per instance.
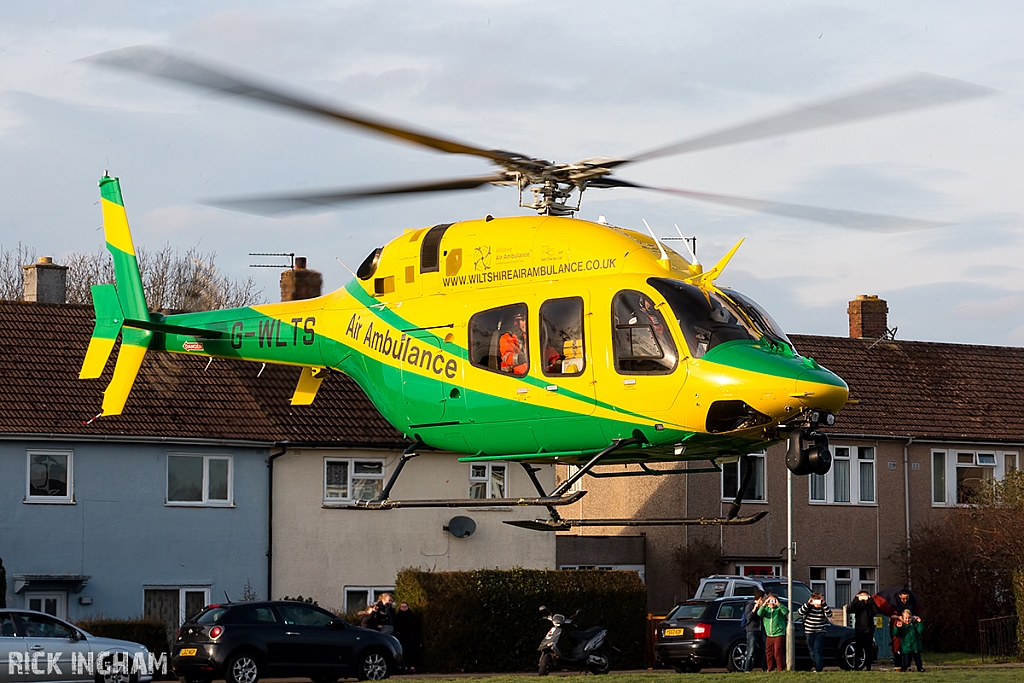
(706, 319)
(758, 315)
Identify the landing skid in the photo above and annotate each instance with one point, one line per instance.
(545, 501)
(568, 524)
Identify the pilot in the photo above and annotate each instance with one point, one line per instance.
(512, 347)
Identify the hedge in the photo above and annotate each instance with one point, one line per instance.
(489, 620)
(150, 632)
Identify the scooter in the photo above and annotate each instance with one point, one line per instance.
(584, 649)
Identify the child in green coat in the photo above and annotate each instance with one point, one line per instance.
(909, 630)
(773, 617)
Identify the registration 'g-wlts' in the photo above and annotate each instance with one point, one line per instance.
(39, 648)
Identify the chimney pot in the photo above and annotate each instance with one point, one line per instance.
(868, 317)
(45, 282)
(299, 283)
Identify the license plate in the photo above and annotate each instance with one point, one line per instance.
(675, 631)
(187, 652)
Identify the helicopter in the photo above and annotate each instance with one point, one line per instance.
(528, 339)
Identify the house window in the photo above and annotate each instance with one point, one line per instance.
(840, 584)
(487, 480)
(732, 475)
(49, 477)
(358, 597)
(199, 479)
(759, 569)
(352, 479)
(959, 477)
(850, 481)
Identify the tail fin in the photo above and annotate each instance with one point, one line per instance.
(114, 304)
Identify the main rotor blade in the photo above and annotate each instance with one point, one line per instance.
(916, 91)
(162, 64)
(857, 220)
(274, 205)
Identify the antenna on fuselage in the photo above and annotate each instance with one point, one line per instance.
(664, 261)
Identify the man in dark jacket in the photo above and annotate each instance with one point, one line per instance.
(864, 609)
(755, 634)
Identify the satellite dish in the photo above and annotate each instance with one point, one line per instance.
(461, 527)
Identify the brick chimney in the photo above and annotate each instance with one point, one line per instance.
(299, 283)
(868, 317)
(46, 282)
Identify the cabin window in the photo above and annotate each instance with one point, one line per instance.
(430, 248)
(498, 340)
(641, 341)
(561, 336)
(706, 319)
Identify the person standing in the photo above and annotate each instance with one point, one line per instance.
(909, 630)
(407, 630)
(755, 634)
(386, 614)
(368, 617)
(816, 616)
(863, 609)
(773, 620)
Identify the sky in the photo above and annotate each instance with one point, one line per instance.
(563, 81)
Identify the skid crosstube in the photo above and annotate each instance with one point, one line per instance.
(568, 524)
(544, 501)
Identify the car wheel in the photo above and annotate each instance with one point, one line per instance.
(736, 660)
(599, 664)
(848, 656)
(242, 668)
(544, 666)
(116, 669)
(374, 666)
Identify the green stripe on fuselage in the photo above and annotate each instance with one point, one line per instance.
(761, 358)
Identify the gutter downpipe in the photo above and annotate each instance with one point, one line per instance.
(270, 518)
(906, 503)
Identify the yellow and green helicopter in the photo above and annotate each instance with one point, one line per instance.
(543, 339)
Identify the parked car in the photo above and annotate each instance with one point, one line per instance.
(38, 647)
(699, 634)
(243, 642)
(728, 585)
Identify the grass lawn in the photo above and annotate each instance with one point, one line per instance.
(934, 675)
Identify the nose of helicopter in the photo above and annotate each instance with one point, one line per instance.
(821, 389)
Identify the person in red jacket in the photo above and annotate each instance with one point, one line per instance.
(512, 347)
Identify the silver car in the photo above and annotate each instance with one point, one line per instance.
(36, 647)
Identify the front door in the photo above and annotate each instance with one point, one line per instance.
(54, 603)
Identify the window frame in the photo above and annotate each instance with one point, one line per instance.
(510, 308)
(951, 465)
(488, 479)
(762, 455)
(69, 498)
(206, 501)
(376, 591)
(827, 585)
(542, 336)
(856, 484)
(351, 475)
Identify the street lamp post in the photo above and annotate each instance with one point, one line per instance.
(790, 642)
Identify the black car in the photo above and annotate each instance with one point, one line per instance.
(243, 642)
(698, 634)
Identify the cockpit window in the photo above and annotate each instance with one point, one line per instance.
(760, 317)
(706, 320)
(642, 342)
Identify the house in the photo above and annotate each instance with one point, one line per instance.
(927, 425)
(210, 485)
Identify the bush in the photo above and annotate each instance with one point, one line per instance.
(150, 632)
(488, 620)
